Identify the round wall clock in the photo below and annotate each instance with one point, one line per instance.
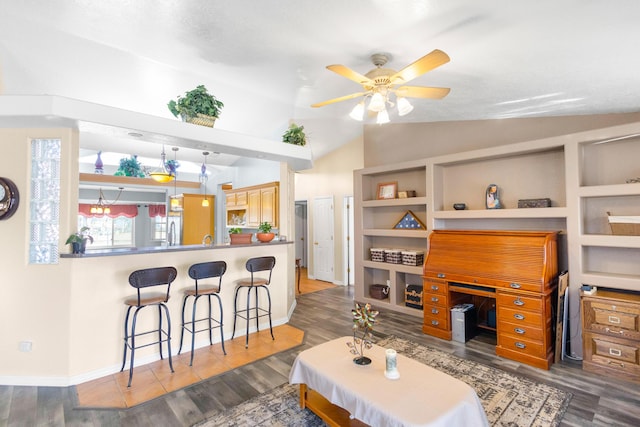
(9, 198)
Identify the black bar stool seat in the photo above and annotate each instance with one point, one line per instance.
(254, 265)
(142, 279)
(199, 272)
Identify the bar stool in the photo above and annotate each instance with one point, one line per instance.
(200, 271)
(146, 278)
(254, 265)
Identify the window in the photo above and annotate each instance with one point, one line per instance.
(109, 232)
(159, 228)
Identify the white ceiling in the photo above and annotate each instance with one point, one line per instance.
(266, 59)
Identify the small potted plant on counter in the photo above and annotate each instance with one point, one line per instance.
(237, 237)
(264, 233)
(197, 106)
(78, 240)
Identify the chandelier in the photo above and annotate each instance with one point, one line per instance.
(162, 175)
(102, 207)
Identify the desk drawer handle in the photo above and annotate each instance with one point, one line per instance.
(616, 363)
(435, 311)
(614, 319)
(614, 332)
(518, 316)
(615, 352)
(518, 301)
(441, 275)
(435, 322)
(435, 287)
(515, 285)
(435, 299)
(521, 345)
(519, 331)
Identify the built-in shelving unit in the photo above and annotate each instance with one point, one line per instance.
(584, 174)
(374, 222)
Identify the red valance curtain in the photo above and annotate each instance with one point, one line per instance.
(130, 211)
(157, 210)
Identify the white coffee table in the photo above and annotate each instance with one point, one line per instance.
(422, 396)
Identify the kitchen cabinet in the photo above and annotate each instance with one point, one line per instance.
(249, 206)
(197, 220)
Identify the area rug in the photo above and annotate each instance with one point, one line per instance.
(508, 399)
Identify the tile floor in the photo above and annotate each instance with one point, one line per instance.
(155, 379)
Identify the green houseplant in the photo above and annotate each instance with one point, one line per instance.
(196, 105)
(295, 135)
(237, 237)
(130, 166)
(264, 233)
(78, 240)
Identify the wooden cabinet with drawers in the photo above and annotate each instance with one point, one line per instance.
(250, 206)
(611, 333)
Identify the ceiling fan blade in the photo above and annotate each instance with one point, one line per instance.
(342, 98)
(422, 92)
(350, 74)
(427, 63)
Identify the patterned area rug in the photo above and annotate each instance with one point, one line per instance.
(508, 399)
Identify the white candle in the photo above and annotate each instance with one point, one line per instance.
(391, 370)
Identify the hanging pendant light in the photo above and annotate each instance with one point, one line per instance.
(203, 179)
(162, 175)
(175, 202)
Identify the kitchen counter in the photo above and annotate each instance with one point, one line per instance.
(91, 253)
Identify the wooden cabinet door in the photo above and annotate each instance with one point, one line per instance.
(231, 200)
(269, 206)
(253, 208)
(241, 199)
(197, 220)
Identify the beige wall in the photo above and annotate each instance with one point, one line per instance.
(393, 143)
(332, 175)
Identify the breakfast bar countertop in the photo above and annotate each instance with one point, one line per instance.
(91, 253)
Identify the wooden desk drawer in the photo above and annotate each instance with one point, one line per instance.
(435, 299)
(435, 310)
(520, 345)
(430, 286)
(511, 300)
(439, 321)
(518, 316)
(520, 330)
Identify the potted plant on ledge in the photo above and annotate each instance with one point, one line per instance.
(197, 106)
(264, 233)
(78, 240)
(295, 135)
(237, 237)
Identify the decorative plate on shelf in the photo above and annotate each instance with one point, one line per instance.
(409, 222)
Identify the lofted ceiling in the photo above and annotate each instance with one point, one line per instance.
(266, 59)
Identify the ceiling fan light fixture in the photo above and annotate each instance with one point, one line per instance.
(383, 117)
(358, 112)
(377, 102)
(404, 106)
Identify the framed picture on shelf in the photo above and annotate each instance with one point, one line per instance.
(387, 190)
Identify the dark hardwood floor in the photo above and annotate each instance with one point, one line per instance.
(323, 315)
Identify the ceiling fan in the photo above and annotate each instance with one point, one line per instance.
(381, 82)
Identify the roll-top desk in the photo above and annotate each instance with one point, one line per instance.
(509, 275)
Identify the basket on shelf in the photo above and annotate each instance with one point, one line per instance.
(202, 120)
(379, 291)
(624, 225)
(377, 254)
(413, 258)
(393, 256)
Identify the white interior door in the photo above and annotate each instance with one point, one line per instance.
(323, 239)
